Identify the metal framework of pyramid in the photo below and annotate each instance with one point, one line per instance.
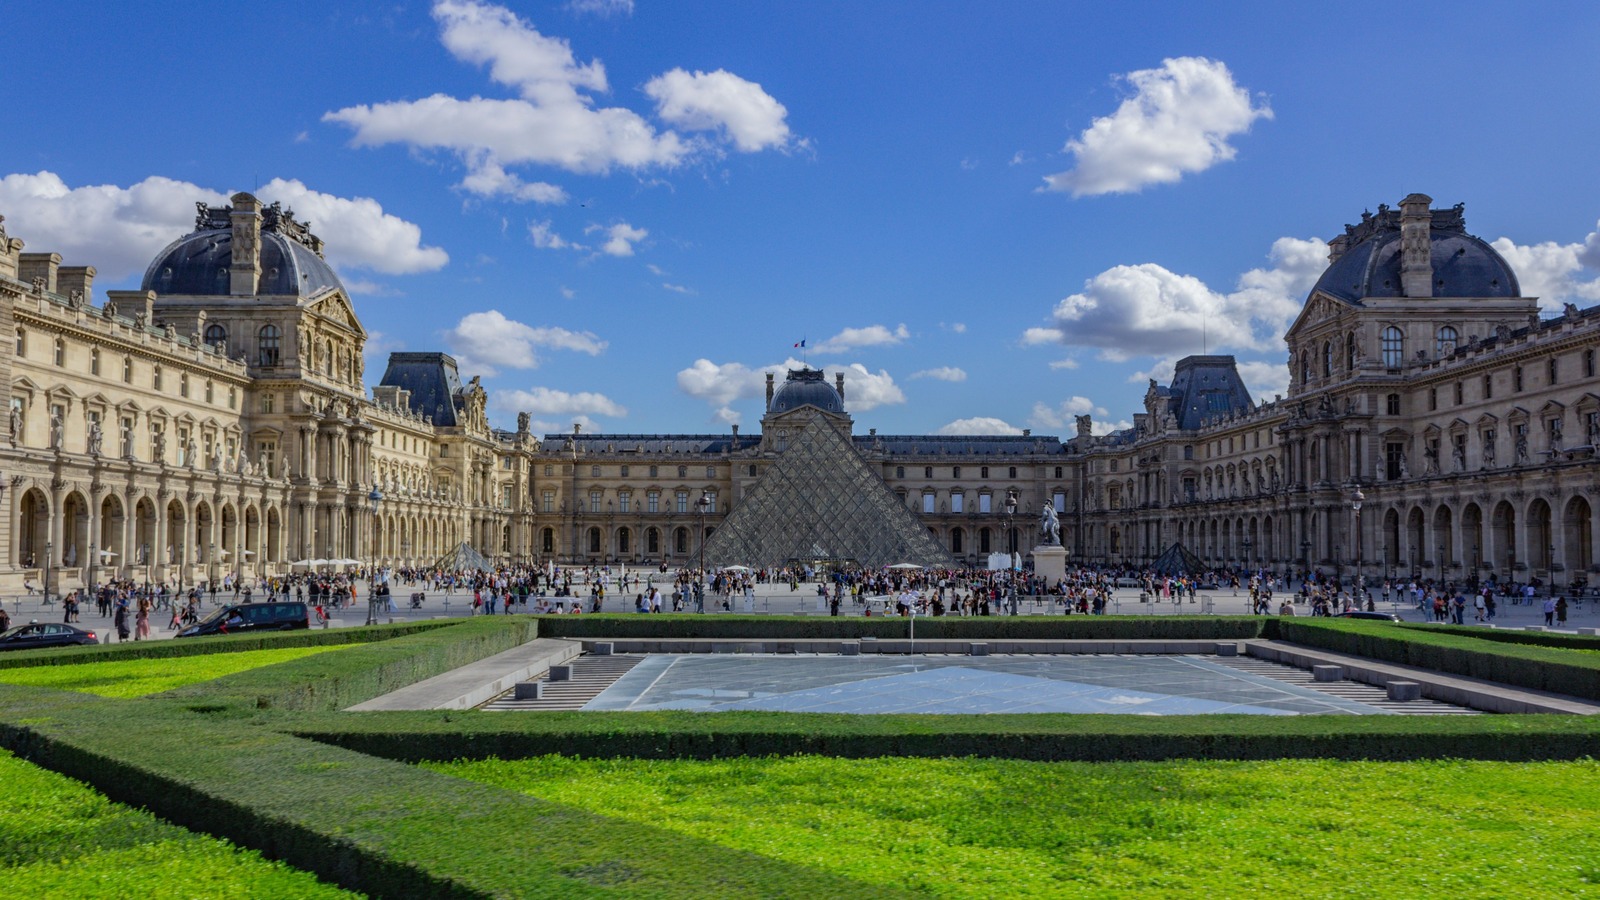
(463, 557)
(820, 503)
(1177, 560)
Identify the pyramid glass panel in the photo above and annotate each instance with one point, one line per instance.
(822, 504)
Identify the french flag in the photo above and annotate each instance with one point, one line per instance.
(802, 343)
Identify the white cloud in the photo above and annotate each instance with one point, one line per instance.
(985, 425)
(568, 293)
(490, 179)
(1149, 310)
(942, 373)
(543, 401)
(1061, 415)
(367, 288)
(678, 288)
(957, 327)
(554, 121)
(1178, 121)
(543, 236)
(118, 230)
(357, 230)
(864, 390)
(486, 341)
(1068, 363)
(605, 9)
(1556, 273)
(1264, 379)
(720, 101)
(620, 238)
(855, 338)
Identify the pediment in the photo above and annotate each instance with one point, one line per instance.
(335, 307)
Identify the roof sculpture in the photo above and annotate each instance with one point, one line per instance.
(821, 501)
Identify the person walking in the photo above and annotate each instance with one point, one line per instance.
(1549, 611)
(1561, 612)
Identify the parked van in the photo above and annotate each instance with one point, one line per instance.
(242, 618)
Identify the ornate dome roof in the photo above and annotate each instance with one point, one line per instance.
(197, 263)
(806, 387)
(1369, 264)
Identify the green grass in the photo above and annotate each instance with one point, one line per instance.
(142, 677)
(984, 828)
(59, 838)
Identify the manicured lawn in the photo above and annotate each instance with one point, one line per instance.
(987, 828)
(60, 839)
(141, 677)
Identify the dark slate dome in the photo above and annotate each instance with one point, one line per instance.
(197, 263)
(806, 387)
(1463, 265)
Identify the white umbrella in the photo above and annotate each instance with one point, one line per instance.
(905, 566)
(105, 555)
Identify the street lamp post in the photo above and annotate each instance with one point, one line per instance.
(1011, 512)
(701, 507)
(1305, 558)
(49, 551)
(1247, 561)
(375, 498)
(1356, 499)
(1440, 548)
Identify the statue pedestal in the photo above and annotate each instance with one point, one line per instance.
(1050, 562)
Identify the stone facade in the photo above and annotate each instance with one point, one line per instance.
(215, 421)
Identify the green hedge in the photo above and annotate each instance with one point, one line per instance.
(446, 736)
(1538, 668)
(636, 625)
(227, 643)
(372, 825)
(360, 673)
(1506, 636)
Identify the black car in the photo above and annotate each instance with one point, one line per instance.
(1379, 616)
(45, 634)
(242, 618)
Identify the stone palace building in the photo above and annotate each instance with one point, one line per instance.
(216, 421)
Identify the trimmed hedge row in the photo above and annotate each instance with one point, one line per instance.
(1534, 638)
(447, 736)
(337, 680)
(372, 825)
(228, 643)
(636, 625)
(1537, 668)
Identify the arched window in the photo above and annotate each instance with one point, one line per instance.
(1327, 359)
(1447, 339)
(1394, 347)
(268, 340)
(216, 334)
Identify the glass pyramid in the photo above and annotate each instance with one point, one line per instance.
(463, 558)
(820, 503)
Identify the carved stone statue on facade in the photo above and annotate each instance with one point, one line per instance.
(216, 460)
(190, 452)
(1459, 456)
(1556, 441)
(1522, 450)
(1405, 468)
(95, 437)
(1049, 525)
(16, 425)
(1488, 452)
(127, 442)
(56, 430)
(1594, 431)
(1430, 459)
(522, 422)
(158, 443)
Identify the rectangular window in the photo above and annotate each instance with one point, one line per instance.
(927, 471)
(1488, 387)
(983, 503)
(681, 501)
(1392, 405)
(1394, 454)
(183, 446)
(1459, 394)
(594, 501)
(94, 362)
(1516, 379)
(1588, 363)
(652, 471)
(711, 471)
(711, 502)
(983, 472)
(505, 495)
(233, 398)
(1060, 501)
(624, 502)
(958, 502)
(267, 456)
(624, 472)
(927, 503)
(267, 403)
(1554, 370)
(653, 502)
(547, 502)
(183, 385)
(1433, 399)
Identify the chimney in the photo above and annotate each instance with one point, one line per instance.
(736, 432)
(77, 278)
(769, 390)
(1337, 247)
(39, 265)
(577, 428)
(244, 273)
(1416, 251)
(130, 304)
(838, 383)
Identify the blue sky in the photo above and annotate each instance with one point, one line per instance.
(991, 216)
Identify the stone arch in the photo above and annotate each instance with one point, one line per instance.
(1472, 537)
(1503, 532)
(75, 530)
(1417, 538)
(1577, 539)
(274, 546)
(33, 527)
(113, 530)
(1444, 533)
(1541, 535)
(1391, 538)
